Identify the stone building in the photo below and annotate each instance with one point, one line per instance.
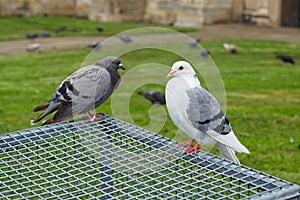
(193, 13)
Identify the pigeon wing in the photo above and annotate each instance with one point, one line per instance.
(79, 92)
(206, 115)
(204, 111)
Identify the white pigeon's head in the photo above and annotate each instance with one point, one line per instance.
(181, 68)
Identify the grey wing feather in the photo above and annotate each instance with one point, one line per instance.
(205, 112)
(84, 87)
(92, 87)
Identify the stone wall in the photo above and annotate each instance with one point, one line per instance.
(192, 13)
(54, 7)
(82, 8)
(266, 13)
(118, 10)
(16, 7)
(39, 7)
(161, 11)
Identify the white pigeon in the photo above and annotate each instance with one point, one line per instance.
(230, 47)
(198, 114)
(33, 46)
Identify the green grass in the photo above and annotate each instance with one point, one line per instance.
(17, 27)
(262, 96)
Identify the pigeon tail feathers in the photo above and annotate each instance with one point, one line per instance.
(48, 107)
(41, 107)
(49, 121)
(227, 152)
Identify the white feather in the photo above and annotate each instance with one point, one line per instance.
(227, 152)
(230, 140)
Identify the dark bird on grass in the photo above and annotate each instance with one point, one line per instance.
(94, 44)
(204, 53)
(33, 47)
(195, 42)
(73, 29)
(84, 90)
(171, 23)
(231, 48)
(155, 97)
(60, 29)
(31, 35)
(125, 38)
(100, 29)
(286, 59)
(44, 33)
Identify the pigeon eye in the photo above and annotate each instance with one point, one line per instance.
(113, 62)
(180, 68)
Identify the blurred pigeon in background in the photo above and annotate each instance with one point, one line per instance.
(31, 35)
(125, 38)
(100, 29)
(195, 42)
(73, 29)
(230, 47)
(171, 23)
(198, 114)
(60, 29)
(44, 33)
(155, 97)
(94, 44)
(86, 89)
(286, 59)
(204, 53)
(33, 47)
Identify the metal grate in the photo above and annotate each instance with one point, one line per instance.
(111, 159)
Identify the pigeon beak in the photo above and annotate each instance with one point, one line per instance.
(171, 73)
(121, 66)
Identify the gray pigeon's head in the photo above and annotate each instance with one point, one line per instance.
(111, 62)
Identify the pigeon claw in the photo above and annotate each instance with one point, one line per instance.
(185, 144)
(92, 117)
(194, 148)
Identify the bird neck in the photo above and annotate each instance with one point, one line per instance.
(191, 80)
(114, 77)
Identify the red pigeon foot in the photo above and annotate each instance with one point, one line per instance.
(92, 117)
(184, 144)
(194, 148)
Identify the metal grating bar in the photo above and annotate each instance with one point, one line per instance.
(111, 159)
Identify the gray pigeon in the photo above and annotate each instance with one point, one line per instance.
(94, 44)
(198, 114)
(32, 35)
(195, 43)
(60, 29)
(44, 33)
(204, 53)
(125, 38)
(86, 89)
(155, 97)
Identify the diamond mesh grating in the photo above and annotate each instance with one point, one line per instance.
(112, 159)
